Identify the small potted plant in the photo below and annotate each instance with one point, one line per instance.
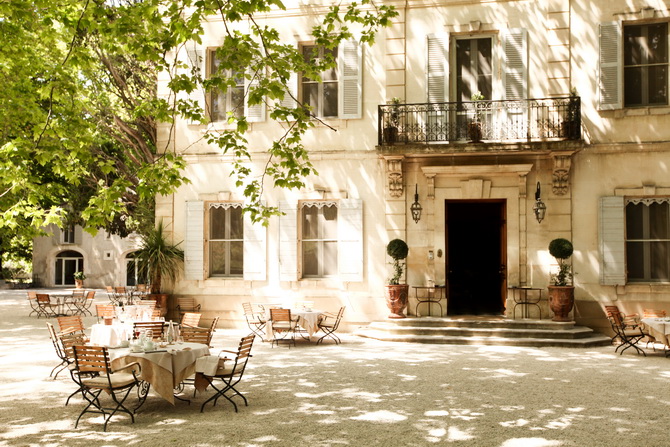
(79, 278)
(392, 122)
(475, 126)
(570, 126)
(561, 291)
(396, 293)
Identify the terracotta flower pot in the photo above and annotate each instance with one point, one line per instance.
(79, 283)
(561, 301)
(396, 299)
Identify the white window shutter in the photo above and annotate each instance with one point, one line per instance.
(292, 89)
(194, 243)
(288, 241)
(255, 250)
(437, 67)
(350, 240)
(612, 241)
(515, 70)
(256, 113)
(610, 76)
(196, 60)
(350, 66)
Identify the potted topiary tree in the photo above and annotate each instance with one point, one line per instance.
(561, 291)
(396, 293)
(79, 278)
(392, 122)
(475, 126)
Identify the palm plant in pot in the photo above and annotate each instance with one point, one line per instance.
(561, 291)
(160, 260)
(396, 293)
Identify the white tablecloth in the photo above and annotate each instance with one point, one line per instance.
(307, 319)
(111, 335)
(659, 328)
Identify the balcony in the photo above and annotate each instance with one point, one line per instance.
(480, 121)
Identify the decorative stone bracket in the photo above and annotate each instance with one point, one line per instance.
(394, 174)
(561, 173)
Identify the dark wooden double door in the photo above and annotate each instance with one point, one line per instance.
(476, 257)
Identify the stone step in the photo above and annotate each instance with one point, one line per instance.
(484, 331)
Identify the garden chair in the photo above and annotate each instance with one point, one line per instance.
(105, 310)
(72, 324)
(626, 329)
(191, 319)
(32, 299)
(283, 326)
(255, 320)
(47, 308)
(329, 323)
(230, 372)
(156, 328)
(187, 305)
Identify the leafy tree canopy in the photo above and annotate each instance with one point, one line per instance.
(78, 137)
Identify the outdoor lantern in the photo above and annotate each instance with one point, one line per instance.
(416, 206)
(539, 208)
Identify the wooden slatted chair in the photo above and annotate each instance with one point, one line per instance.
(230, 373)
(255, 320)
(187, 305)
(87, 303)
(626, 329)
(95, 375)
(195, 335)
(71, 324)
(148, 303)
(47, 308)
(156, 328)
(283, 326)
(329, 323)
(191, 319)
(32, 299)
(105, 310)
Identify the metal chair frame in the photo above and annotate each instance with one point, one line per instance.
(44, 303)
(255, 320)
(329, 328)
(86, 303)
(36, 309)
(284, 325)
(232, 376)
(625, 329)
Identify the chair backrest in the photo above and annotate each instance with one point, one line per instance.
(141, 288)
(92, 359)
(339, 317)
(187, 304)
(248, 309)
(71, 323)
(190, 319)
(149, 303)
(654, 313)
(212, 329)
(60, 352)
(243, 354)
(155, 314)
(43, 298)
(32, 295)
(195, 335)
(120, 290)
(90, 295)
(155, 326)
(280, 314)
(105, 310)
(79, 294)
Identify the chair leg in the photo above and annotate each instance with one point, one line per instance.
(329, 332)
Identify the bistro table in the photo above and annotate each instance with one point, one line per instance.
(307, 319)
(429, 295)
(523, 296)
(660, 329)
(164, 368)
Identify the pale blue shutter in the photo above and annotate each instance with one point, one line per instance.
(612, 240)
(288, 241)
(350, 98)
(194, 242)
(515, 70)
(255, 113)
(350, 240)
(255, 250)
(610, 76)
(195, 60)
(291, 89)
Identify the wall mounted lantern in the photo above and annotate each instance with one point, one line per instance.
(416, 206)
(539, 208)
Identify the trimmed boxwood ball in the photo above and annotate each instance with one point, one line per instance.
(560, 248)
(397, 249)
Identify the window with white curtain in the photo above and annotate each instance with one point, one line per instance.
(226, 240)
(319, 239)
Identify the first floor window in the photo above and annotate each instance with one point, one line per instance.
(648, 240)
(226, 239)
(321, 95)
(319, 239)
(68, 234)
(229, 100)
(645, 64)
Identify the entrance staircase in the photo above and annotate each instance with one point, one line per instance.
(476, 330)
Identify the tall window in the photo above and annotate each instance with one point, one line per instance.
(232, 100)
(648, 240)
(226, 240)
(319, 240)
(67, 263)
(320, 96)
(646, 64)
(474, 69)
(68, 234)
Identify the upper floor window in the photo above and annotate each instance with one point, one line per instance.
(321, 95)
(231, 100)
(473, 68)
(648, 240)
(226, 239)
(68, 234)
(319, 239)
(645, 64)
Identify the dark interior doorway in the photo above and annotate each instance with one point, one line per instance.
(476, 257)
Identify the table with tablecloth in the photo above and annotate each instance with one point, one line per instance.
(659, 328)
(307, 319)
(165, 368)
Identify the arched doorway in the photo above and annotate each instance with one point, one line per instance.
(67, 263)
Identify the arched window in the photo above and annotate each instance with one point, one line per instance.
(67, 263)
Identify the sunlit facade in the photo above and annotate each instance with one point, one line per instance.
(479, 107)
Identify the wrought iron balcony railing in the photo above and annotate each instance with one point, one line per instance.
(487, 121)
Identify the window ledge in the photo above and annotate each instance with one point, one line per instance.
(651, 288)
(642, 111)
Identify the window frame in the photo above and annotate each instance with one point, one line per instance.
(646, 240)
(240, 84)
(318, 110)
(644, 100)
(321, 241)
(227, 241)
(68, 235)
